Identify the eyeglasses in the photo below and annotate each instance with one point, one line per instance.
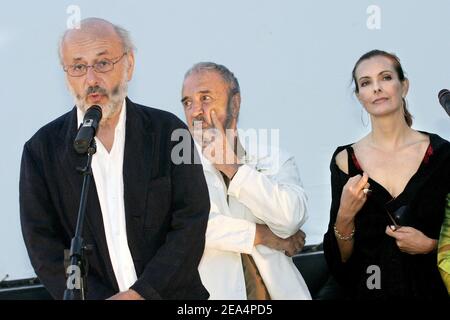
(102, 66)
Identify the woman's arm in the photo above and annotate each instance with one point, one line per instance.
(352, 199)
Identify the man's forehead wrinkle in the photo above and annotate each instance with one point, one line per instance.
(88, 41)
(95, 43)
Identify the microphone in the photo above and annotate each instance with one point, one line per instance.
(444, 100)
(88, 129)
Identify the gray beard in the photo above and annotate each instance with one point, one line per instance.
(116, 98)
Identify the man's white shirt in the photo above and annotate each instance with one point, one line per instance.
(107, 169)
(265, 190)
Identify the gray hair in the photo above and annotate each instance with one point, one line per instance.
(125, 38)
(227, 75)
(124, 35)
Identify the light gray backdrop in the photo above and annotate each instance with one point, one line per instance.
(293, 60)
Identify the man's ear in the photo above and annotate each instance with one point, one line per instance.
(130, 70)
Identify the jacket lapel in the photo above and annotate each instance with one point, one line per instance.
(137, 170)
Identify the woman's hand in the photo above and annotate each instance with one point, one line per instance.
(353, 197)
(411, 240)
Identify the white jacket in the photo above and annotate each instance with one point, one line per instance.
(261, 192)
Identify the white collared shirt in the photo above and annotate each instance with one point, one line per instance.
(107, 170)
(265, 190)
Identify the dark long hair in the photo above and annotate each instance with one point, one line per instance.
(398, 68)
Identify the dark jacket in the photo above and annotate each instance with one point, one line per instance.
(166, 208)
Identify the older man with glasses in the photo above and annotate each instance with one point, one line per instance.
(146, 216)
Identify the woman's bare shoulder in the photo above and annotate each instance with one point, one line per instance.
(342, 160)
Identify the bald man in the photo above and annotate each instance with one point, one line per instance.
(146, 217)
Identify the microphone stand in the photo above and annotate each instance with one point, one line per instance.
(76, 285)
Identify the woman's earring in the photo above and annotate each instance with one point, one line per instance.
(365, 124)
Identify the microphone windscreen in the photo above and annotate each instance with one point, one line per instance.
(88, 129)
(94, 113)
(444, 100)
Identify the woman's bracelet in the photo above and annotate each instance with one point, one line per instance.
(342, 237)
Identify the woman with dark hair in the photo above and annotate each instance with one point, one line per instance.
(388, 194)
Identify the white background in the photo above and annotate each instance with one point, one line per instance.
(293, 60)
